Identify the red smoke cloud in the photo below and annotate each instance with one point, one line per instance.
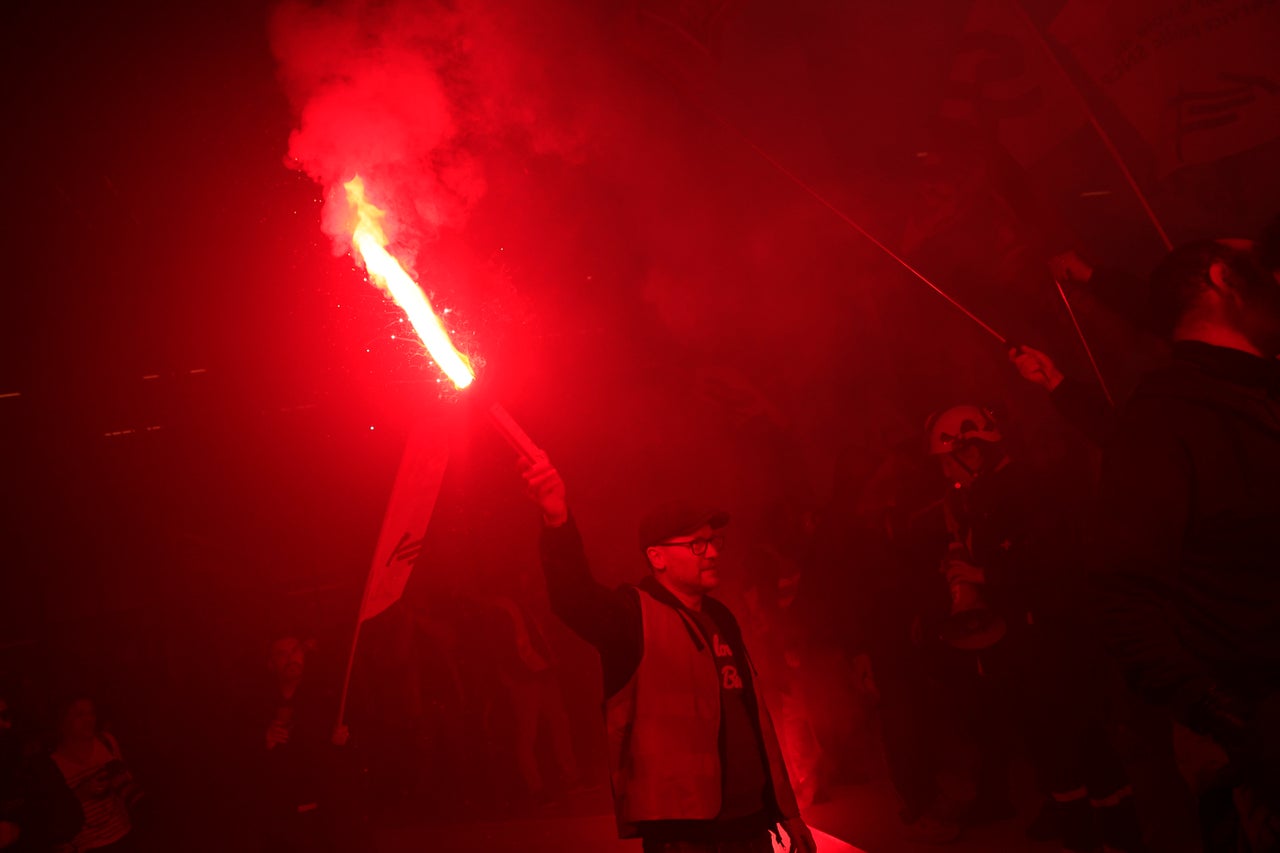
(369, 84)
(676, 223)
(413, 96)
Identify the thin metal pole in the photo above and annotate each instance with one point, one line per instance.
(1097, 126)
(351, 655)
(1085, 343)
(512, 432)
(851, 222)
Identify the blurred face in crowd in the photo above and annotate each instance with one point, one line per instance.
(963, 465)
(80, 722)
(287, 658)
(676, 564)
(1256, 308)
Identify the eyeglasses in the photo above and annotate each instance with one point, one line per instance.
(699, 546)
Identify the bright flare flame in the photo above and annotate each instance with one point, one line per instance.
(371, 243)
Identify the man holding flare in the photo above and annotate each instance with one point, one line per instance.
(694, 761)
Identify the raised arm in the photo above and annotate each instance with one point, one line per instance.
(1081, 404)
(608, 619)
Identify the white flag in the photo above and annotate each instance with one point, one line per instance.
(426, 455)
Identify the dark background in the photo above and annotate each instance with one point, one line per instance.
(211, 407)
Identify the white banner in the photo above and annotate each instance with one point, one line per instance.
(413, 498)
(1003, 82)
(1198, 79)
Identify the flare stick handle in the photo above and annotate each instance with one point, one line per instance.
(512, 432)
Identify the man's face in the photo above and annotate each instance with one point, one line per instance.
(684, 570)
(1249, 294)
(287, 658)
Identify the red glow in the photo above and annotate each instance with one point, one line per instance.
(826, 843)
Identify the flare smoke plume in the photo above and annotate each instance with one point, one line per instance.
(412, 96)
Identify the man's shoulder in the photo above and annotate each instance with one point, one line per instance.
(1167, 393)
(628, 593)
(1170, 378)
(649, 586)
(1175, 397)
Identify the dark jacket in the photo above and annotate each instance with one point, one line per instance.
(1189, 530)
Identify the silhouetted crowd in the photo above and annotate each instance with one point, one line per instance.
(1120, 629)
(987, 618)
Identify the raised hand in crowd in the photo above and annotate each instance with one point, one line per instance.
(1070, 267)
(546, 488)
(277, 732)
(800, 839)
(1036, 367)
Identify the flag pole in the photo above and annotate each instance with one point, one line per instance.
(351, 654)
(853, 223)
(1097, 371)
(1097, 126)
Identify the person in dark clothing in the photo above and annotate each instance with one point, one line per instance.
(528, 670)
(1190, 529)
(888, 546)
(1015, 651)
(297, 756)
(695, 763)
(38, 811)
(1144, 732)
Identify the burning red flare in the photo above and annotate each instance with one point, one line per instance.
(371, 244)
